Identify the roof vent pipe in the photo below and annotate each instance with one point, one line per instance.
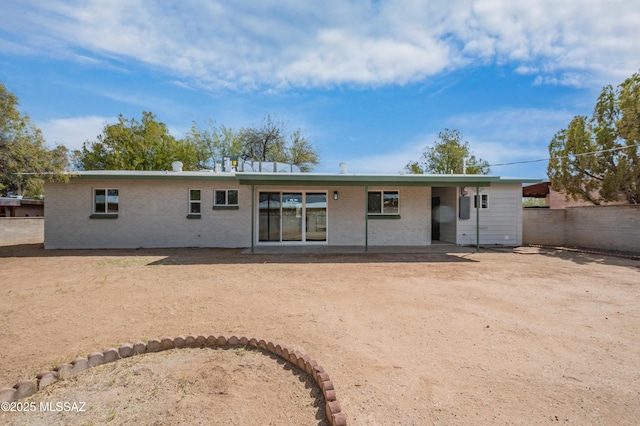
(177, 166)
(343, 168)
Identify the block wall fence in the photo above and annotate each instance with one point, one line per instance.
(21, 230)
(599, 227)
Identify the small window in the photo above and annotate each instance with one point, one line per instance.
(105, 201)
(195, 202)
(484, 201)
(384, 202)
(225, 197)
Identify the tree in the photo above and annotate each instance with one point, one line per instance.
(447, 156)
(269, 142)
(597, 159)
(212, 143)
(25, 160)
(136, 145)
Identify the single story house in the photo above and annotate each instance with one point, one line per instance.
(132, 209)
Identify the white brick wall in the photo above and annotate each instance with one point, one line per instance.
(152, 213)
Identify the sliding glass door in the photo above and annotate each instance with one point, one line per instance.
(292, 217)
(269, 216)
(316, 216)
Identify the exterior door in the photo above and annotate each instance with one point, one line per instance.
(292, 216)
(435, 218)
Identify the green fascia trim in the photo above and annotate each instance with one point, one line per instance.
(194, 216)
(103, 216)
(226, 207)
(383, 216)
(154, 176)
(362, 180)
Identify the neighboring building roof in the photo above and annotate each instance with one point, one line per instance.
(538, 190)
(309, 178)
(17, 202)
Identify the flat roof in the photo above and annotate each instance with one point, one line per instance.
(310, 179)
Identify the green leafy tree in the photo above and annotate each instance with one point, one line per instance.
(130, 144)
(447, 155)
(211, 143)
(269, 142)
(597, 159)
(25, 159)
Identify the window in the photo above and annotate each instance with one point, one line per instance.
(195, 202)
(225, 199)
(484, 201)
(105, 203)
(384, 203)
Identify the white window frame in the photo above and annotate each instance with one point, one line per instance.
(484, 201)
(382, 192)
(194, 201)
(106, 202)
(226, 198)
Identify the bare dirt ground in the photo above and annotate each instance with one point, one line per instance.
(408, 339)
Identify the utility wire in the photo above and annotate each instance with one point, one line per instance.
(566, 156)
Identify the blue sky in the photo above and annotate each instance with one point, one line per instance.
(370, 83)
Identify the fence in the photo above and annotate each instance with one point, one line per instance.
(600, 227)
(21, 230)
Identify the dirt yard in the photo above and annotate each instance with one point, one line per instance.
(408, 339)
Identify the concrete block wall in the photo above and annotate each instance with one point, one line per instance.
(21, 230)
(151, 213)
(346, 216)
(414, 226)
(543, 227)
(604, 227)
(600, 227)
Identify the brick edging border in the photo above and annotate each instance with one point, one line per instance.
(26, 388)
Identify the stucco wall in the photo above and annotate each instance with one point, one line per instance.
(600, 227)
(501, 223)
(152, 213)
(21, 230)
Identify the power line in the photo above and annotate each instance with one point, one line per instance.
(566, 156)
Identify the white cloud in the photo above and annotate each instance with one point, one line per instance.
(73, 132)
(251, 45)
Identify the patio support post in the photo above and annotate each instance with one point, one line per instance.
(478, 205)
(253, 221)
(366, 218)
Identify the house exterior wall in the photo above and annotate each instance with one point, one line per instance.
(414, 226)
(151, 213)
(346, 216)
(501, 223)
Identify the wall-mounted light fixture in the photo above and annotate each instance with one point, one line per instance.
(335, 195)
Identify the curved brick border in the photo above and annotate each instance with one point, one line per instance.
(26, 388)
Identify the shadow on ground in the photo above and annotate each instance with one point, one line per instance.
(217, 256)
